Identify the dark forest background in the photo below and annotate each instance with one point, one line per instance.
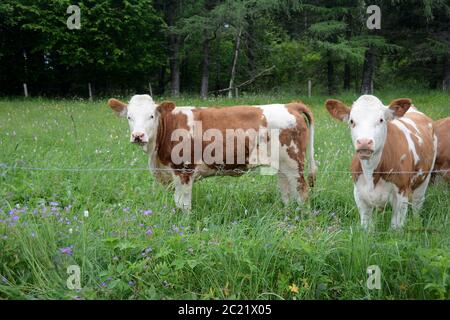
(204, 46)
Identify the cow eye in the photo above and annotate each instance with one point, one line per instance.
(381, 120)
(352, 122)
(129, 118)
(151, 117)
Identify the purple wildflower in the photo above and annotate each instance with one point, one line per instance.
(66, 250)
(131, 283)
(54, 204)
(149, 232)
(147, 212)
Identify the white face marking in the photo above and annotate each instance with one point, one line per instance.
(141, 116)
(278, 117)
(368, 121)
(407, 134)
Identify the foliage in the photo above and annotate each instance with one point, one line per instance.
(124, 45)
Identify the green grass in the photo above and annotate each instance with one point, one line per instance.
(239, 241)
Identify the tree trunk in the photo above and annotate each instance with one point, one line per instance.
(172, 9)
(250, 45)
(330, 75)
(174, 66)
(347, 76)
(235, 58)
(446, 78)
(205, 70)
(161, 80)
(368, 71)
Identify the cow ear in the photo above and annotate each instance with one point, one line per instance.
(166, 106)
(338, 109)
(118, 107)
(400, 106)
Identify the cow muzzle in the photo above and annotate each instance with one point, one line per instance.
(138, 137)
(364, 148)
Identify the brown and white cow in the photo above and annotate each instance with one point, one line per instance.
(177, 141)
(395, 152)
(442, 130)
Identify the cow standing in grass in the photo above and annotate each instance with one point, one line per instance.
(183, 143)
(395, 152)
(442, 128)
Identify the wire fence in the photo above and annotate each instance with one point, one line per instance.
(218, 171)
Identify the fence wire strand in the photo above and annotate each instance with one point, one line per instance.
(218, 171)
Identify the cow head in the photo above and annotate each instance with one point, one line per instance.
(368, 120)
(143, 116)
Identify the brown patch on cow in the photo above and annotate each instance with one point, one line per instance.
(117, 105)
(231, 118)
(442, 131)
(337, 109)
(264, 121)
(299, 137)
(404, 174)
(169, 122)
(165, 106)
(400, 106)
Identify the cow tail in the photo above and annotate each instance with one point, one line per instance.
(312, 163)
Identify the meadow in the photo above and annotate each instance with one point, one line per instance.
(239, 242)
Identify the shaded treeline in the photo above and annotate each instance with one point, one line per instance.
(205, 46)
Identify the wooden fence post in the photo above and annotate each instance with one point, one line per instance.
(25, 90)
(90, 91)
(309, 88)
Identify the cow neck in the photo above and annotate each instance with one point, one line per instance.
(370, 166)
(160, 132)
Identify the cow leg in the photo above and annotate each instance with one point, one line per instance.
(365, 211)
(293, 171)
(183, 191)
(283, 183)
(399, 210)
(418, 196)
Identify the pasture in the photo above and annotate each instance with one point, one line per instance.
(239, 242)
